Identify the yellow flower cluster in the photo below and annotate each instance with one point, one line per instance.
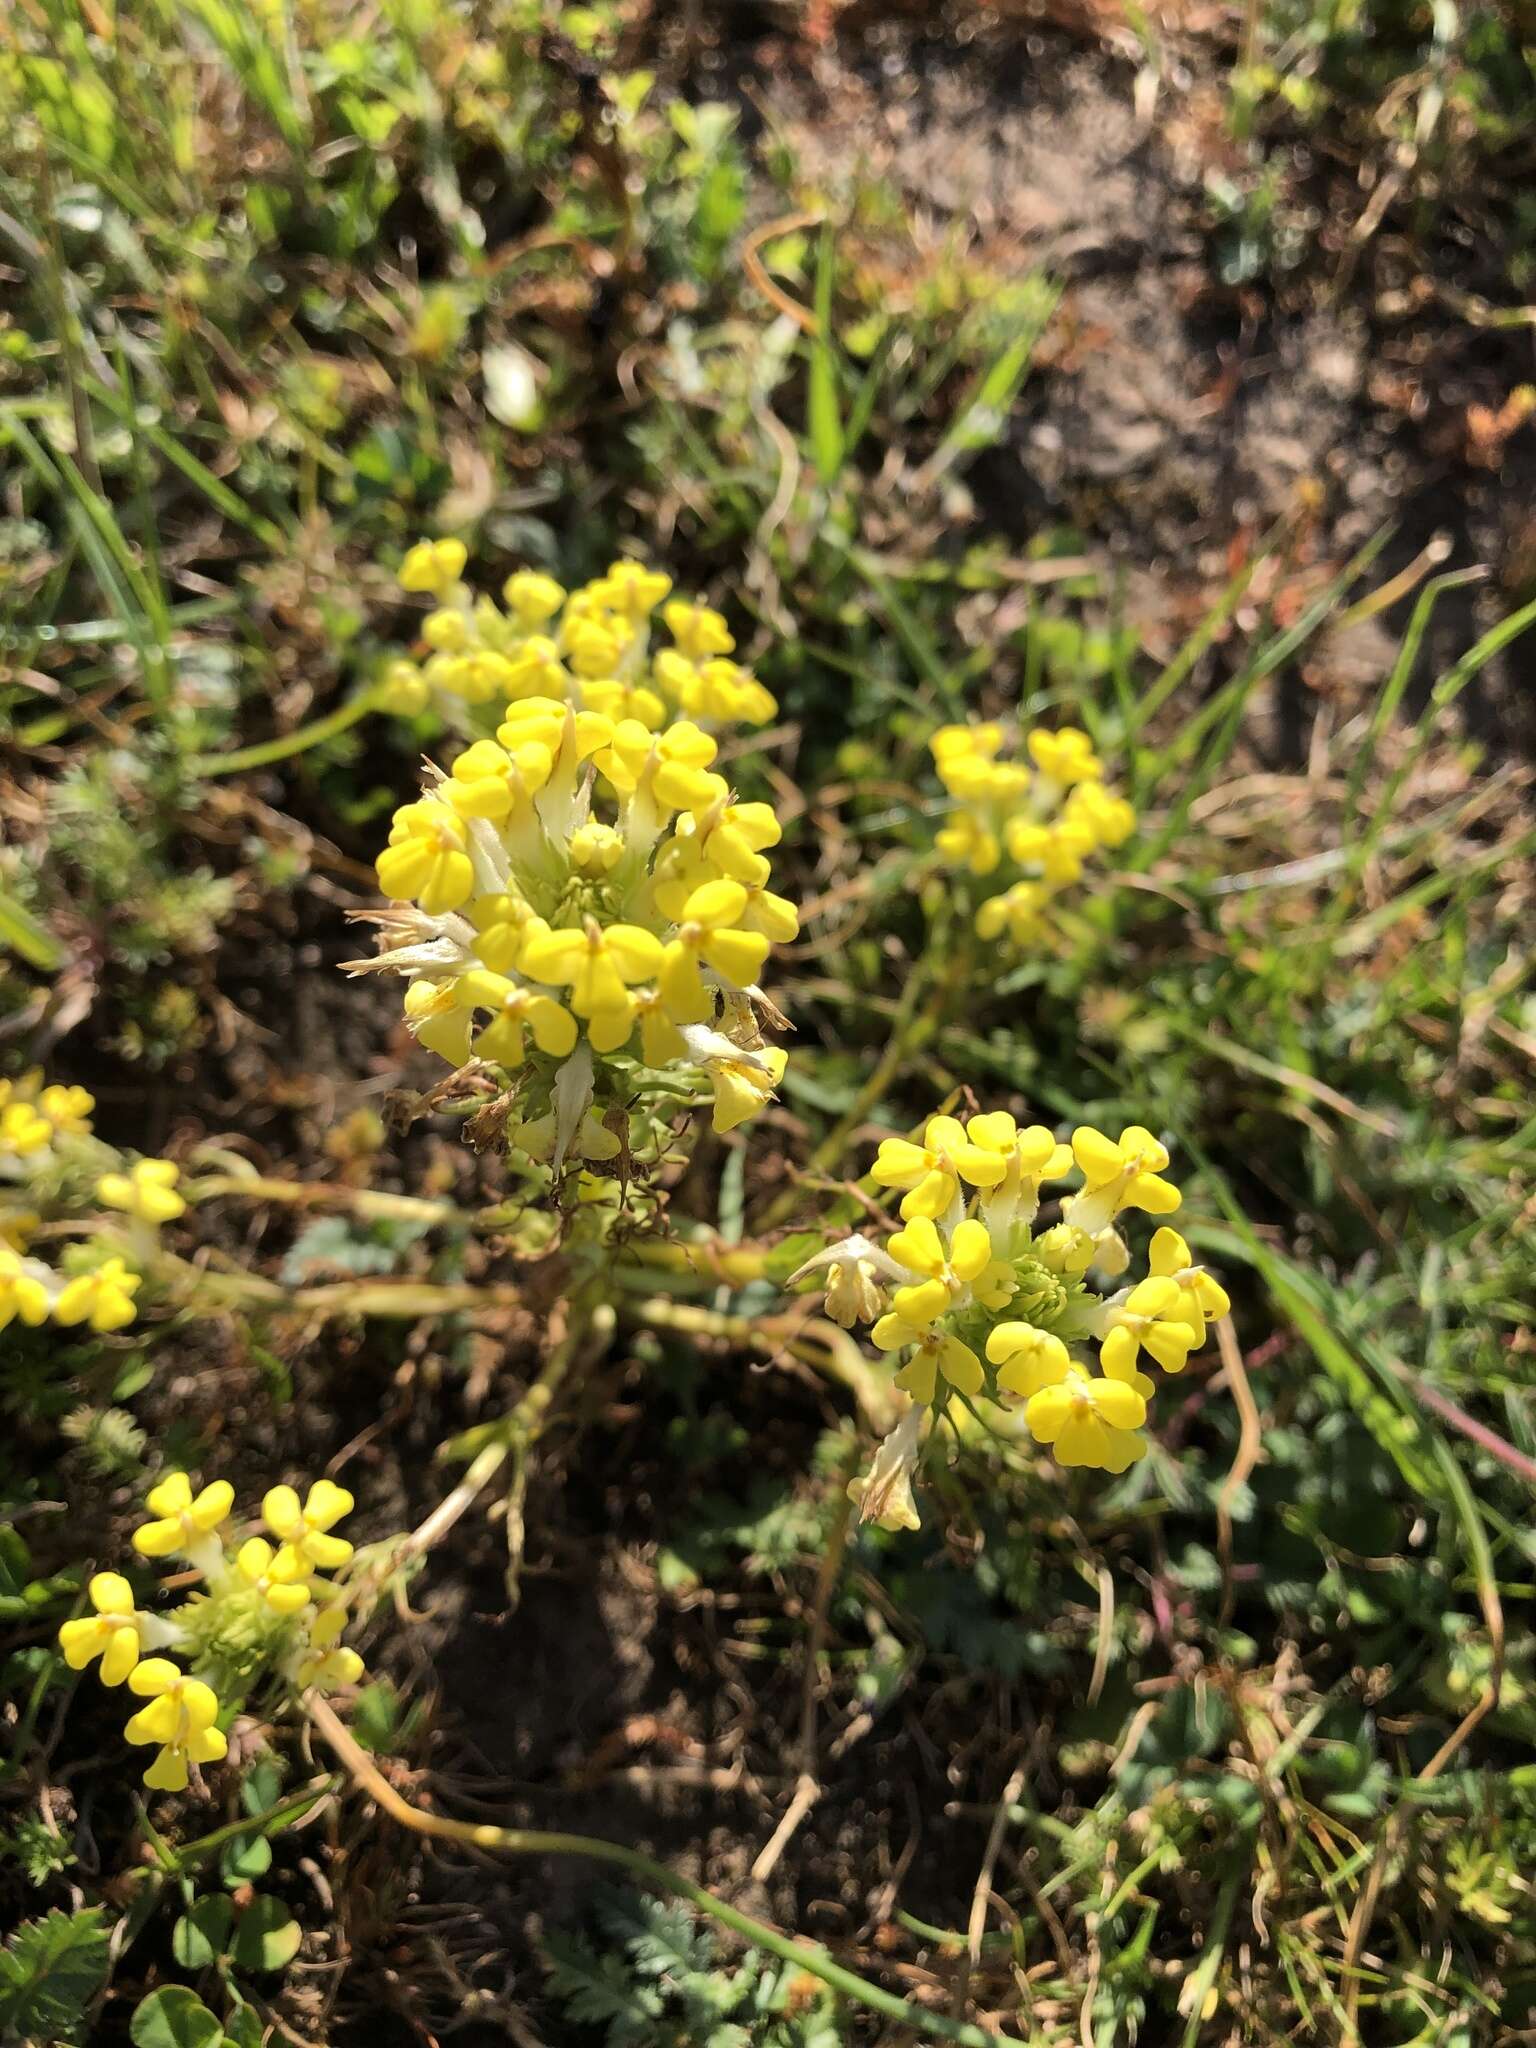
(590, 648)
(584, 903)
(1041, 820)
(260, 1609)
(99, 1296)
(980, 1301)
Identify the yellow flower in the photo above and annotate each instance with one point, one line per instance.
(1200, 1294)
(23, 1131)
(884, 1494)
(968, 841)
(182, 1520)
(632, 590)
(515, 1011)
(490, 782)
(1019, 911)
(939, 1356)
(403, 689)
(698, 630)
(1058, 847)
(254, 1561)
(180, 1717)
(597, 964)
(303, 1531)
(503, 924)
(932, 1172)
(596, 849)
(438, 1020)
(1088, 1421)
(103, 1298)
(946, 1277)
(532, 598)
(1118, 1175)
(111, 1633)
(326, 1664)
(1152, 1319)
(1027, 1359)
(425, 860)
(535, 670)
(434, 566)
(743, 1081)
(1109, 818)
(68, 1110)
(1066, 756)
(22, 1293)
(732, 839)
(147, 1191)
(671, 767)
(1029, 1156)
(707, 931)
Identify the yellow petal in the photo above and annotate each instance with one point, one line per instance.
(970, 1250)
(173, 1495)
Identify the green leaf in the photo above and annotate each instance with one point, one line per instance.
(822, 412)
(267, 1937)
(174, 2017)
(203, 1933)
(245, 1859)
(20, 930)
(50, 1972)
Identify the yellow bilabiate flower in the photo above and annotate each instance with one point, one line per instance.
(1088, 1421)
(940, 1356)
(932, 1171)
(1151, 1319)
(1066, 756)
(182, 1520)
(744, 1080)
(103, 1298)
(1029, 1156)
(68, 1109)
(179, 1717)
(532, 597)
(254, 1561)
(597, 964)
(1027, 1359)
(1200, 1294)
(303, 1531)
(433, 566)
(708, 931)
(23, 1131)
(426, 861)
(22, 1293)
(111, 1633)
(515, 1012)
(147, 1191)
(327, 1665)
(946, 1277)
(698, 630)
(1123, 1174)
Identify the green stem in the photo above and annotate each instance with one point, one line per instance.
(805, 1955)
(287, 744)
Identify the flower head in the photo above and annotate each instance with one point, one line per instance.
(1044, 820)
(581, 900)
